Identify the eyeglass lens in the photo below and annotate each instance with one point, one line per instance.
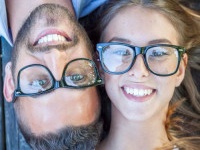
(35, 79)
(160, 59)
(80, 73)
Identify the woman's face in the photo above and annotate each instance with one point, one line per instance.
(141, 27)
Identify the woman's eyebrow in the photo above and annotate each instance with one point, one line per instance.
(155, 41)
(159, 41)
(118, 39)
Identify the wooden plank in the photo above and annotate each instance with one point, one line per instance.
(14, 140)
(2, 136)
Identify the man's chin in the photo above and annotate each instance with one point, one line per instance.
(73, 138)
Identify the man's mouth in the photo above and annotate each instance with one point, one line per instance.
(138, 92)
(51, 36)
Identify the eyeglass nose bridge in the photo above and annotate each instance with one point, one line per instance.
(139, 50)
(59, 84)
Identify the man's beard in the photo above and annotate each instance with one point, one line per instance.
(68, 138)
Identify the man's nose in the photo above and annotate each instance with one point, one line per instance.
(56, 60)
(139, 68)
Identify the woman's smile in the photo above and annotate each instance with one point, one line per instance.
(138, 94)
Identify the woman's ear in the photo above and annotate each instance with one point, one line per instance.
(9, 87)
(181, 71)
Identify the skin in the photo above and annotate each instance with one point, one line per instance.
(63, 107)
(16, 8)
(134, 119)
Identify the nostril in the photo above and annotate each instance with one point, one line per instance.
(139, 68)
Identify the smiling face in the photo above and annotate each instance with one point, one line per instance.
(139, 94)
(51, 37)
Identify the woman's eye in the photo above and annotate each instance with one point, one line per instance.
(122, 52)
(158, 53)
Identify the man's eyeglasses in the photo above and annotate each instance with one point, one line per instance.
(36, 79)
(160, 59)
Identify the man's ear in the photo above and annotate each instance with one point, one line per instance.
(8, 87)
(181, 71)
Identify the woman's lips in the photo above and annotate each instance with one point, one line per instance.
(138, 94)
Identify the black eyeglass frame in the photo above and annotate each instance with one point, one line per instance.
(138, 50)
(55, 84)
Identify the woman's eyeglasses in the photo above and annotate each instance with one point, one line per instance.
(160, 59)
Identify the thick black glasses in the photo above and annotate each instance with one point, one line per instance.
(160, 59)
(36, 79)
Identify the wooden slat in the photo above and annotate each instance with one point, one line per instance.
(12, 138)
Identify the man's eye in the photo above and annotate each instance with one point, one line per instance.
(76, 77)
(40, 83)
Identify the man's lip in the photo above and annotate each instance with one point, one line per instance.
(51, 31)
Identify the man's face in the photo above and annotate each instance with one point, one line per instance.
(52, 38)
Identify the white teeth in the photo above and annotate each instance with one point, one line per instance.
(50, 38)
(55, 37)
(138, 92)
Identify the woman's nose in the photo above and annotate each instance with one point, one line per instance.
(139, 68)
